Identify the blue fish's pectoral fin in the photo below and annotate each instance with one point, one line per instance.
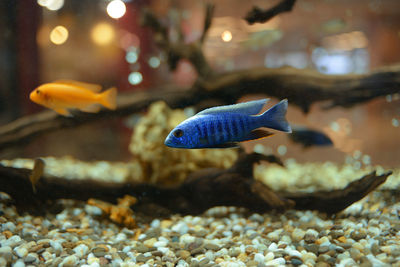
(249, 108)
(63, 111)
(257, 134)
(224, 145)
(227, 145)
(204, 144)
(91, 108)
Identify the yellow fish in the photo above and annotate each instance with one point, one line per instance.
(62, 95)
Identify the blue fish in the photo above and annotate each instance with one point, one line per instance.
(308, 137)
(225, 126)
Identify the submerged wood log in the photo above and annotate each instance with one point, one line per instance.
(259, 15)
(301, 87)
(202, 190)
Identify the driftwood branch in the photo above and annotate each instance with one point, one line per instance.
(177, 50)
(301, 87)
(202, 190)
(259, 15)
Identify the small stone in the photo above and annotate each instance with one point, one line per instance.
(184, 254)
(309, 238)
(6, 253)
(323, 249)
(141, 258)
(150, 242)
(212, 246)
(322, 264)
(99, 251)
(69, 261)
(19, 263)
(21, 251)
(296, 261)
(12, 242)
(298, 234)
(313, 248)
(141, 248)
(30, 258)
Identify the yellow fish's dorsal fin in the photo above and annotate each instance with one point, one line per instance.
(89, 86)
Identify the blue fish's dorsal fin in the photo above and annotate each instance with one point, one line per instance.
(249, 108)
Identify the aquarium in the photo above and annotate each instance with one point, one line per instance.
(199, 133)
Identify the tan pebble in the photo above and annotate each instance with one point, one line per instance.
(103, 261)
(165, 223)
(150, 242)
(36, 248)
(322, 240)
(322, 264)
(342, 239)
(69, 244)
(219, 260)
(242, 257)
(7, 234)
(184, 254)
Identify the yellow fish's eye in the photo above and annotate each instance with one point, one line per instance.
(178, 133)
(38, 92)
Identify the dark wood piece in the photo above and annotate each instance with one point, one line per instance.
(202, 190)
(259, 15)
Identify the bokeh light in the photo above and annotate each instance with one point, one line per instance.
(154, 62)
(103, 33)
(135, 78)
(226, 36)
(59, 35)
(116, 9)
(131, 57)
(52, 5)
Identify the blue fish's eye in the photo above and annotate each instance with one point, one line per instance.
(178, 133)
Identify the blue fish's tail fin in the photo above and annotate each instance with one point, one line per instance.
(274, 118)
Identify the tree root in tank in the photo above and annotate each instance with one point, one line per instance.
(202, 190)
(259, 15)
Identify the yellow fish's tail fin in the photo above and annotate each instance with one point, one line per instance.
(109, 98)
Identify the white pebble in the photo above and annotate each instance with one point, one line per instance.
(180, 227)
(120, 237)
(155, 223)
(163, 250)
(275, 262)
(187, 239)
(93, 210)
(8, 226)
(81, 250)
(270, 256)
(56, 246)
(312, 232)
(298, 234)
(47, 255)
(273, 246)
(69, 260)
(13, 241)
(258, 257)
(19, 263)
(21, 251)
(160, 244)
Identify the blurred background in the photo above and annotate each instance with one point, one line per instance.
(101, 41)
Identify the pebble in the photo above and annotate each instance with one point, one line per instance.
(223, 237)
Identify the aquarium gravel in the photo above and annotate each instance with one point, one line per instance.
(365, 234)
